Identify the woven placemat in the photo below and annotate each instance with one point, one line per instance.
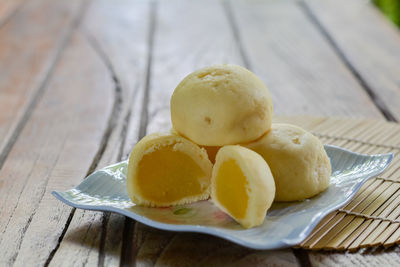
(372, 217)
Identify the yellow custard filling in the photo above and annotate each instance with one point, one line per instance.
(231, 188)
(165, 175)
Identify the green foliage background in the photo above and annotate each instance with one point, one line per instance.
(391, 9)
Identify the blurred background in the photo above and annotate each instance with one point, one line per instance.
(391, 9)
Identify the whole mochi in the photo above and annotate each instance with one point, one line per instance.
(221, 105)
(297, 159)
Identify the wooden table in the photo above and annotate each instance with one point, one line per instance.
(81, 82)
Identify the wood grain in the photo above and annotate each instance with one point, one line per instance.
(371, 257)
(368, 43)
(162, 248)
(54, 151)
(302, 71)
(45, 25)
(81, 244)
(117, 32)
(8, 8)
(72, 106)
(121, 32)
(184, 42)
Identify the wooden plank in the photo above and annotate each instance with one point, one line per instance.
(302, 71)
(368, 43)
(7, 9)
(44, 25)
(150, 242)
(81, 244)
(117, 31)
(189, 249)
(121, 31)
(53, 152)
(370, 46)
(160, 248)
(377, 257)
(188, 35)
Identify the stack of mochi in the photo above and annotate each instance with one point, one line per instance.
(224, 145)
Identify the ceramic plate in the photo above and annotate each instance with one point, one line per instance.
(286, 224)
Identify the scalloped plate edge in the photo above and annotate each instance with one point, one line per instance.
(220, 232)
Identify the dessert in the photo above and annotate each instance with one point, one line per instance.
(221, 105)
(167, 169)
(242, 185)
(298, 161)
(222, 115)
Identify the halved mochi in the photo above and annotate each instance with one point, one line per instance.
(242, 185)
(166, 170)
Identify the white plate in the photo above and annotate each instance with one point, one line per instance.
(286, 224)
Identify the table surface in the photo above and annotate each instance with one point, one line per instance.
(82, 81)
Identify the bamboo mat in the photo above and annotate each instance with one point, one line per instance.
(372, 217)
